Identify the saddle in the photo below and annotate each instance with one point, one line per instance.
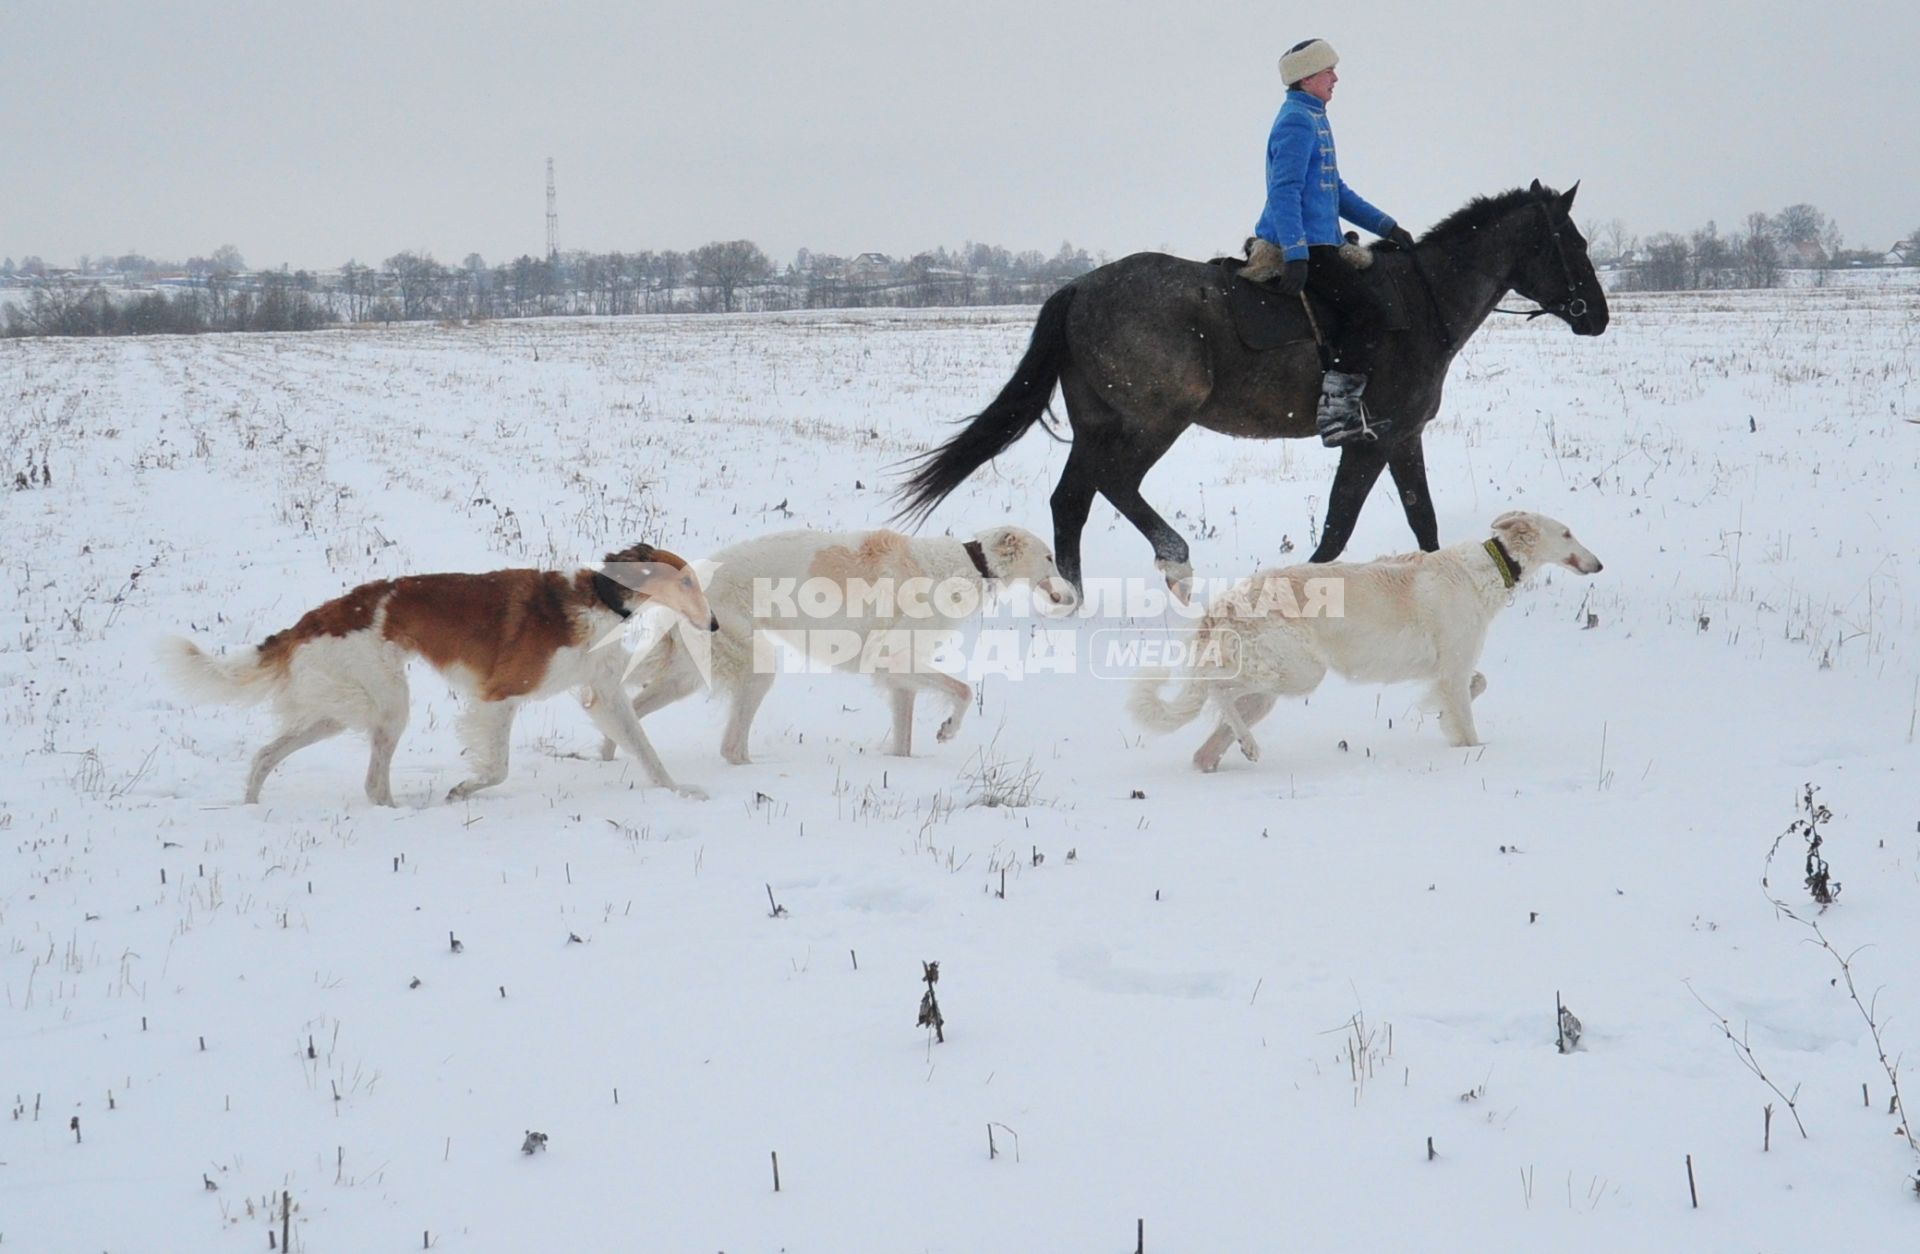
(1264, 318)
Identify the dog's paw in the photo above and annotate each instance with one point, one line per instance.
(1477, 685)
(1207, 762)
(607, 749)
(948, 730)
(690, 791)
(1250, 748)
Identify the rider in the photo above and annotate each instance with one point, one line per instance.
(1298, 237)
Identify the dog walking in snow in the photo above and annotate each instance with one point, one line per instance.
(502, 639)
(874, 602)
(1417, 617)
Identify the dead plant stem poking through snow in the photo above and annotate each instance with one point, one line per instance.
(1752, 1063)
(930, 1016)
(1824, 893)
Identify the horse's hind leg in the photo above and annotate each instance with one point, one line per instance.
(1407, 462)
(1360, 465)
(1072, 501)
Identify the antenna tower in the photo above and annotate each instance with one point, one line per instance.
(553, 218)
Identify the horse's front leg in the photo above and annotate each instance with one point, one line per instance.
(1170, 553)
(1360, 465)
(1408, 463)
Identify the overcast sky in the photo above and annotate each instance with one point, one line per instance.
(316, 131)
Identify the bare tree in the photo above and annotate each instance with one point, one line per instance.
(1666, 265)
(723, 268)
(1708, 258)
(1758, 252)
(422, 283)
(1799, 224)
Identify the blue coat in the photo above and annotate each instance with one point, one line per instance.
(1305, 195)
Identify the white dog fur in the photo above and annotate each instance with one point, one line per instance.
(1417, 617)
(745, 670)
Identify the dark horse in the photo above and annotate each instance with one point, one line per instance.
(1142, 349)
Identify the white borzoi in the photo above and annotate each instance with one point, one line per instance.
(502, 638)
(848, 601)
(1416, 617)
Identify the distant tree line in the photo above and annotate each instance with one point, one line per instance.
(217, 302)
(1752, 255)
(131, 294)
(134, 294)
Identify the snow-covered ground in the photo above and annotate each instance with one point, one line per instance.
(1304, 1004)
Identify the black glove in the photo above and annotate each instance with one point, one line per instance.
(1293, 279)
(1401, 236)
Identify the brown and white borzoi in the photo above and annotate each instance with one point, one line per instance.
(849, 601)
(502, 639)
(1415, 617)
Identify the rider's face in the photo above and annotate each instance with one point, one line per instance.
(1320, 86)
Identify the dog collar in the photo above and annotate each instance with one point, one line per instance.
(609, 591)
(979, 556)
(1503, 561)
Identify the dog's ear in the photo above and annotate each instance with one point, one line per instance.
(1007, 542)
(1517, 528)
(638, 552)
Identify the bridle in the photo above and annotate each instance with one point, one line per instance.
(1573, 306)
(1566, 310)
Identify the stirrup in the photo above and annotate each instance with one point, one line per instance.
(1338, 436)
(1344, 432)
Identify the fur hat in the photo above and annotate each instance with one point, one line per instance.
(1307, 58)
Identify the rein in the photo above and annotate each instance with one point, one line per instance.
(1573, 306)
(1567, 310)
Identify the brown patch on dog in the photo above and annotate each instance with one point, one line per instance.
(341, 616)
(881, 555)
(503, 627)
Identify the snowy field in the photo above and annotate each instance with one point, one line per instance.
(1304, 1004)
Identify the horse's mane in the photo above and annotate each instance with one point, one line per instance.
(1483, 210)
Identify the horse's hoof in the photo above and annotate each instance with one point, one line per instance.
(1179, 577)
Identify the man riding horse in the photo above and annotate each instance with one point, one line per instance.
(1296, 244)
(1144, 347)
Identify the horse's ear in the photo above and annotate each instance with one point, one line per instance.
(1535, 189)
(1566, 201)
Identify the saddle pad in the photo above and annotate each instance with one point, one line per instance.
(1264, 318)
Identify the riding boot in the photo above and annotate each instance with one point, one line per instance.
(1342, 417)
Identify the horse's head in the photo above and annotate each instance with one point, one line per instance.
(1553, 269)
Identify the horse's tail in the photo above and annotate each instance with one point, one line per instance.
(994, 429)
(1160, 713)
